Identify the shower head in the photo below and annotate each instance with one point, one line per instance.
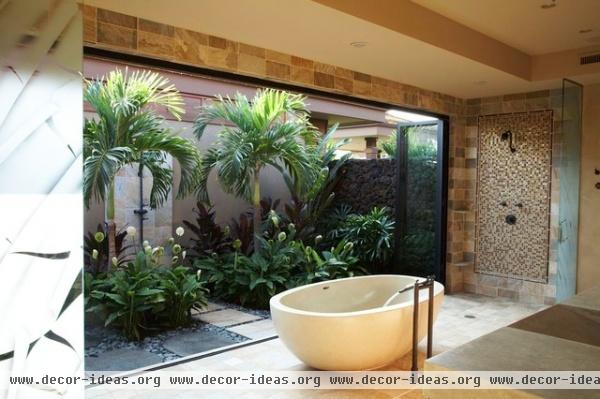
(508, 135)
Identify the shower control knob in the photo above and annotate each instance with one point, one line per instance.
(511, 219)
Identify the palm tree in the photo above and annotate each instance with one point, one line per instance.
(272, 129)
(128, 130)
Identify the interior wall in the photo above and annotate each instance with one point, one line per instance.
(588, 273)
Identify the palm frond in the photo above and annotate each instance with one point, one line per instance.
(128, 129)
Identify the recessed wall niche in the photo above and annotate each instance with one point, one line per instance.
(513, 195)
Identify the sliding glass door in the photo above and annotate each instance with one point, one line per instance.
(421, 207)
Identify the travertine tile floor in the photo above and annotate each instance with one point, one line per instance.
(463, 318)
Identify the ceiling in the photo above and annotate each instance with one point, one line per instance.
(524, 25)
(312, 30)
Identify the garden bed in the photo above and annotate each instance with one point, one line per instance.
(212, 328)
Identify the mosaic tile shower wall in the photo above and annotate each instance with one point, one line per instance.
(513, 195)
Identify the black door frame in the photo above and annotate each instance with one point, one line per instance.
(441, 195)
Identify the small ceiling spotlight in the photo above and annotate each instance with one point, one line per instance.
(359, 44)
(547, 6)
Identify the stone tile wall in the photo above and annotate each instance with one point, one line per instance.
(513, 288)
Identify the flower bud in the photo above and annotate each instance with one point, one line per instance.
(348, 246)
(281, 236)
(115, 261)
(183, 254)
(145, 244)
(198, 274)
(275, 221)
(148, 250)
(174, 259)
(131, 231)
(95, 254)
(226, 231)
(99, 236)
(180, 231)
(237, 244)
(318, 239)
(176, 249)
(171, 241)
(158, 251)
(291, 227)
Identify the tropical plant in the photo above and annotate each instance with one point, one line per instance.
(242, 232)
(282, 262)
(126, 130)
(307, 208)
(271, 130)
(416, 148)
(128, 295)
(144, 294)
(390, 145)
(94, 262)
(183, 292)
(372, 235)
(250, 280)
(208, 236)
(339, 262)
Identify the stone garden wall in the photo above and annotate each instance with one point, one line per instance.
(367, 183)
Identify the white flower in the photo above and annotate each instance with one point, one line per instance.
(131, 231)
(158, 251)
(275, 221)
(180, 231)
(145, 244)
(176, 249)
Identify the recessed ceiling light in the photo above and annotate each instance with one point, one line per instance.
(585, 31)
(359, 44)
(547, 6)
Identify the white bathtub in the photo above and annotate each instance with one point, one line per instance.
(342, 325)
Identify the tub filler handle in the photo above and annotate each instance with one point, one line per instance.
(419, 285)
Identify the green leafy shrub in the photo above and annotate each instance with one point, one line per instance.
(282, 262)
(144, 295)
(372, 235)
(250, 280)
(183, 292)
(339, 262)
(129, 296)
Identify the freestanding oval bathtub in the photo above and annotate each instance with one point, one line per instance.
(343, 325)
